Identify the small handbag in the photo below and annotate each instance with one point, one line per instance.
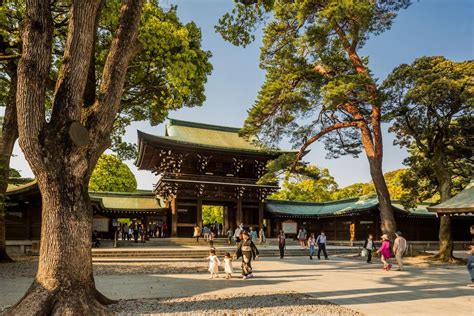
(364, 253)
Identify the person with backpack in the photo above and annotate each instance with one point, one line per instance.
(400, 246)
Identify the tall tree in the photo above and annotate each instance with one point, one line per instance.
(318, 86)
(9, 52)
(168, 71)
(63, 143)
(431, 103)
(112, 175)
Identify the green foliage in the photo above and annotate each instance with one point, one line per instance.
(321, 187)
(212, 213)
(300, 37)
(112, 175)
(431, 105)
(314, 185)
(168, 71)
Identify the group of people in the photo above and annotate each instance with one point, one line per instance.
(246, 250)
(386, 251)
(210, 232)
(312, 242)
(137, 231)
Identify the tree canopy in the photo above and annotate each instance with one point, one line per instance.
(112, 175)
(317, 85)
(431, 105)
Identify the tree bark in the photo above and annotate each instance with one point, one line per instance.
(8, 137)
(387, 220)
(443, 176)
(64, 284)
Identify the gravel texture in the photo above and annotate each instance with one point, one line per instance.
(27, 267)
(283, 303)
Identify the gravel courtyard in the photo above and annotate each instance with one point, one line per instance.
(295, 285)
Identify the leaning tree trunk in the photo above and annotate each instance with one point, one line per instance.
(388, 224)
(8, 137)
(64, 284)
(443, 177)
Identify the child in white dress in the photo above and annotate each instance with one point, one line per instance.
(228, 266)
(214, 263)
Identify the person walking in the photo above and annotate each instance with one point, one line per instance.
(369, 245)
(205, 233)
(197, 233)
(385, 253)
(214, 263)
(228, 266)
(212, 235)
(470, 265)
(321, 241)
(238, 230)
(230, 234)
(311, 244)
(261, 236)
(248, 251)
(253, 234)
(300, 237)
(399, 248)
(281, 244)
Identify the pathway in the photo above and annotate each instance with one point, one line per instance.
(351, 283)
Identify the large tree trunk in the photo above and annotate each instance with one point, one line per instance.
(387, 220)
(63, 151)
(64, 284)
(8, 137)
(443, 177)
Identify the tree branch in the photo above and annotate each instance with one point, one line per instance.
(33, 70)
(72, 77)
(100, 117)
(316, 137)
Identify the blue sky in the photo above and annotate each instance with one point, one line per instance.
(427, 28)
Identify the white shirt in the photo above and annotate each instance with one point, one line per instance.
(321, 239)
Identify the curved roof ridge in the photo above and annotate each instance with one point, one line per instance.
(175, 122)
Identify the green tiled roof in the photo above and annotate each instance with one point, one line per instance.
(206, 135)
(127, 200)
(463, 202)
(334, 208)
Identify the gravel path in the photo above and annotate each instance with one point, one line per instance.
(283, 303)
(27, 267)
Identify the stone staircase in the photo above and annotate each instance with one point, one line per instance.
(187, 248)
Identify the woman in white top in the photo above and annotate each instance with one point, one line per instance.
(214, 263)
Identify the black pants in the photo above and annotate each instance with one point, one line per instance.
(369, 255)
(323, 248)
(282, 251)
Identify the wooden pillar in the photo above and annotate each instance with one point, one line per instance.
(174, 218)
(240, 215)
(199, 212)
(227, 222)
(146, 227)
(260, 215)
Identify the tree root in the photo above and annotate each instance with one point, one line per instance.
(4, 257)
(64, 300)
(445, 258)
